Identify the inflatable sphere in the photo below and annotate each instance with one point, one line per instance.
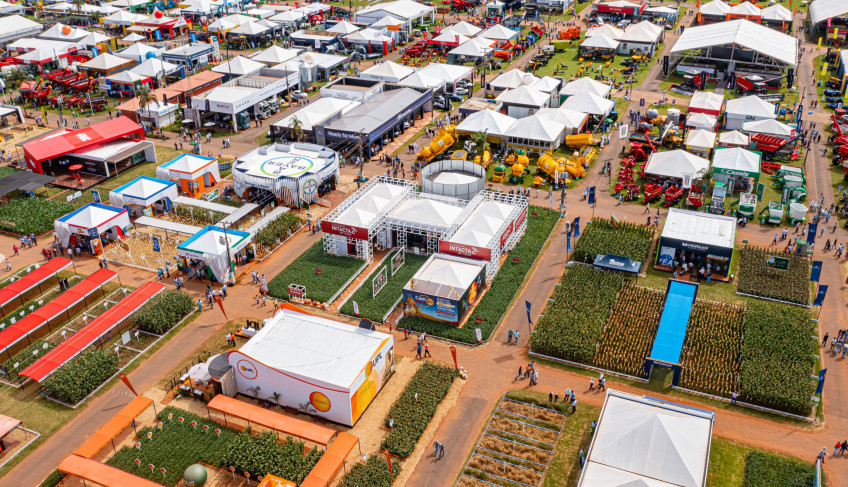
(195, 475)
(158, 14)
(66, 30)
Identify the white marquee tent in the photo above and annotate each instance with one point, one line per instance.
(747, 35)
(464, 28)
(675, 163)
(584, 85)
(734, 137)
(512, 79)
(274, 55)
(210, 246)
(590, 103)
(701, 121)
(768, 126)
(494, 123)
(144, 191)
(92, 219)
(387, 71)
(747, 108)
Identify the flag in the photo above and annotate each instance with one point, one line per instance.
(820, 39)
(221, 305)
(824, 69)
(816, 272)
(615, 221)
(568, 241)
(591, 197)
(577, 227)
(812, 228)
(820, 294)
(527, 303)
(356, 308)
(820, 387)
(794, 155)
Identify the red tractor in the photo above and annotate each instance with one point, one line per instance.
(652, 192)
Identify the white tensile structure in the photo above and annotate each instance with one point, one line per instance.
(675, 164)
(746, 109)
(641, 441)
(91, 222)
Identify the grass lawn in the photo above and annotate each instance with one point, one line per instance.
(374, 308)
(335, 271)
(728, 461)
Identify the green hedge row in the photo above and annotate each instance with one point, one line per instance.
(335, 271)
(165, 310)
(767, 470)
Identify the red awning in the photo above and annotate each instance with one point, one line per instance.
(52, 145)
(33, 279)
(269, 419)
(54, 308)
(113, 427)
(92, 332)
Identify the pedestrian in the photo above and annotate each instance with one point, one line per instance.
(844, 349)
(519, 373)
(516, 337)
(418, 353)
(822, 454)
(592, 384)
(264, 300)
(824, 340)
(441, 445)
(774, 242)
(567, 395)
(8, 265)
(224, 290)
(573, 404)
(15, 248)
(509, 337)
(843, 447)
(836, 448)
(551, 398)
(733, 397)
(437, 445)
(406, 334)
(602, 383)
(427, 350)
(556, 398)
(199, 305)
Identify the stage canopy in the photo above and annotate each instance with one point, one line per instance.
(675, 164)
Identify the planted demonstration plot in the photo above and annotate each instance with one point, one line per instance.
(335, 271)
(373, 473)
(630, 330)
(712, 348)
(23, 216)
(601, 237)
(275, 232)
(767, 470)
(375, 308)
(504, 287)
(777, 357)
(761, 274)
(182, 439)
(515, 447)
(416, 406)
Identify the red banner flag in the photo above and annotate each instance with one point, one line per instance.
(126, 381)
(453, 352)
(221, 305)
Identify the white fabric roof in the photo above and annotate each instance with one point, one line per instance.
(154, 68)
(513, 79)
(368, 208)
(599, 475)
(821, 10)
(649, 439)
(133, 37)
(491, 121)
(464, 28)
(716, 8)
(524, 95)
(94, 38)
(445, 277)
(426, 211)
(483, 224)
(57, 33)
(211, 241)
(570, 118)
(368, 35)
(768, 126)
(589, 103)
(600, 41)
(750, 105)
(585, 84)
(13, 24)
(701, 138)
(701, 120)
(749, 35)
(126, 77)
(388, 20)
(477, 47)
(700, 227)
(435, 75)
(642, 32)
(238, 66)
(185, 200)
(745, 8)
(707, 100)
(143, 191)
(139, 52)
(734, 137)
(187, 166)
(499, 33)
(736, 158)
(535, 127)
(91, 216)
(250, 28)
(661, 10)
(343, 27)
(124, 16)
(315, 348)
(607, 30)
(674, 163)
(387, 69)
(451, 37)
(105, 61)
(776, 12)
(402, 9)
(289, 16)
(317, 112)
(546, 84)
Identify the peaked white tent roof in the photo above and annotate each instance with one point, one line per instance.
(139, 52)
(402, 9)
(482, 225)
(674, 163)
(642, 32)
(535, 127)
(777, 45)
(124, 17)
(821, 10)
(607, 30)
(464, 28)
(343, 27)
(447, 36)
(745, 8)
(445, 276)
(499, 33)
(126, 77)
(387, 71)
(143, 191)
(288, 16)
(513, 79)
(600, 41)
(491, 121)
(368, 35)
(93, 215)
(570, 118)
(701, 120)
(275, 55)
(250, 28)
(750, 105)
(716, 8)
(57, 33)
(734, 137)
(155, 68)
(211, 245)
(105, 61)
(435, 75)
(317, 112)
(700, 138)
(238, 66)
(768, 126)
(426, 211)
(371, 205)
(584, 85)
(133, 37)
(474, 47)
(94, 38)
(524, 95)
(736, 158)
(590, 103)
(546, 84)
(651, 440)
(388, 20)
(706, 100)
(776, 12)
(662, 10)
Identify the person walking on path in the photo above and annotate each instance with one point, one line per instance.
(592, 384)
(509, 337)
(843, 447)
(516, 337)
(822, 454)
(774, 242)
(519, 373)
(418, 354)
(573, 403)
(824, 340)
(427, 351)
(602, 383)
(441, 450)
(733, 397)
(437, 445)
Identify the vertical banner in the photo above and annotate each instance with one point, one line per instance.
(453, 353)
(816, 272)
(820, 387)
(568, 241)
(527, 303)
(95, 195)
(812, 228)
(192, 37)
(356, 308)
(820, 39)
(824, 69)
(820, 294)
(665, 65)
(156, 246)
(126, 381)
(591, 197)
(576, 225)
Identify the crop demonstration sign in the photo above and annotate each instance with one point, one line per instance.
(379, 281)
(779, 263)
(398, 260)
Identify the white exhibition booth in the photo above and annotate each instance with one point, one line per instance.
(333, 368)
(146, 192)
(91, 224)
(210, 246)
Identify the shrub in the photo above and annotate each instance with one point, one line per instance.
(163, 311)
(767, 470)
(373, 473)
(416, 406)
(75, 380)
(52, 480)
(601, 238)
(335, 271)
(277, 229)
(261, 453)
(32, 215)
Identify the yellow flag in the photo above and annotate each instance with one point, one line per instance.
(820, 42)
(836, 33)
(824, 69)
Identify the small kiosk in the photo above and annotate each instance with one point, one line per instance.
(195, 173)
(209, 247)
(148, 193)
(444, 289)
(90, 226)
(697, 240)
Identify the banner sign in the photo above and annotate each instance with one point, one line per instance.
(816, 272)
(156, 246)
(463, 250)
(340, 229)
(822, 292)
(812, 228)
(297, 291)
(591, 196)
(519, 220)
(95, 195)
(379, 281)
(779, 263)
(506, 234)
(527, 303)
(398, 260)
(760, 188)
(577, 227)
(568, 241)
(820, 387)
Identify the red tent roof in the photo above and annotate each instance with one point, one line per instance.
(59, 143)
(34, 278)
(92, 332)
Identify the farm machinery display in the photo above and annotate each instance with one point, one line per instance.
(793, 186)
(560, 170)
(773, 213)
(65, 87)
(442, 142)
(747, 204)
(797, 213)
(839, 140)
(484, 161)
(773, 147)
(717, 199)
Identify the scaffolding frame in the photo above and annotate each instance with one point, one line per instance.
(431, 231)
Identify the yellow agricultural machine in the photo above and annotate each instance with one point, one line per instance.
(563, 168)
(500, 173)
(578, 140)
(484, 161)
(518, 165)
(445, 138)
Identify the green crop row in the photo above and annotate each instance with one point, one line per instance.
(757, 278)
(75, 380)
(374, 472)
(24, 216)
(601, 238)
(767, 470)
(163, 311)
(375, 308)
(335, 271)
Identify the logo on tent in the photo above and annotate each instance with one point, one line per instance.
(289, 166)
(310, 186)
(246, 369)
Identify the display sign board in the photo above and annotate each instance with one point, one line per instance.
(379, 281)
(760, 188)
(506, 233)
(95, 195)
(779, 263)
(519, 220)
(463, 250)
(398, 260)
(156, 246)
(93, 233)
(343, 230)
(297, 291)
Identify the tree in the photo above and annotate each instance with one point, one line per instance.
(479, 143)
(276, 396)
(79, 4)
(296, 128)
(145, 97)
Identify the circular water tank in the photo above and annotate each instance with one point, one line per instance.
(652, 113)
(453, 177)
(195, 475)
